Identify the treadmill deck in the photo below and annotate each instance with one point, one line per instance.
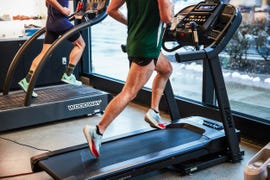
(125, 154)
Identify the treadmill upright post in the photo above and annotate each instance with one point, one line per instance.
(224, 108)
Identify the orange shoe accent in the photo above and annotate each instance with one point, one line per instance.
(162, 126)
(94, 149)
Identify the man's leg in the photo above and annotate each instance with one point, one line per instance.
(137, 78)
(164, 70)
(37, 59)
(74, 58)
(77, 51)
(25, 81)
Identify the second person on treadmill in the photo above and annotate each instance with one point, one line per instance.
(56, 25)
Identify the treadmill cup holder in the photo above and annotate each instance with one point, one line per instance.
(258, 165)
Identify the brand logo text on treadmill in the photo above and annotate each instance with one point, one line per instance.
(84, 105)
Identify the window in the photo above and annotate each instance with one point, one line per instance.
(107, 56)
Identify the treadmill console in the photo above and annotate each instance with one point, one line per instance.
(202, 24)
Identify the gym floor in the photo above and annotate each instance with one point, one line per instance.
(15, 156)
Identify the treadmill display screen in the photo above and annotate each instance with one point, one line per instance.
(206, 7)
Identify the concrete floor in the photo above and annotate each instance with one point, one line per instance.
(15, 158)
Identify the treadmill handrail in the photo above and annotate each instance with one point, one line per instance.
(222, 42)
(190, 56)
(16, 59)
(32, 82)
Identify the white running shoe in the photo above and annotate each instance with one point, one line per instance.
(154, 119)
(93, 139)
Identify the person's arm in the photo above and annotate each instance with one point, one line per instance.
(165, 11)
(114, 12)
(64, 10)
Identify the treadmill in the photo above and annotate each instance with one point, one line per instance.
(190, 143)
(56, 102)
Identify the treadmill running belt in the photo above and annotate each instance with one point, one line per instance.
(116, 154)
(46, 95)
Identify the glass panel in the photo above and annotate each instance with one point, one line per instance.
(107, 56)
(245, 61)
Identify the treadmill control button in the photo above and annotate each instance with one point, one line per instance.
(213, 125)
